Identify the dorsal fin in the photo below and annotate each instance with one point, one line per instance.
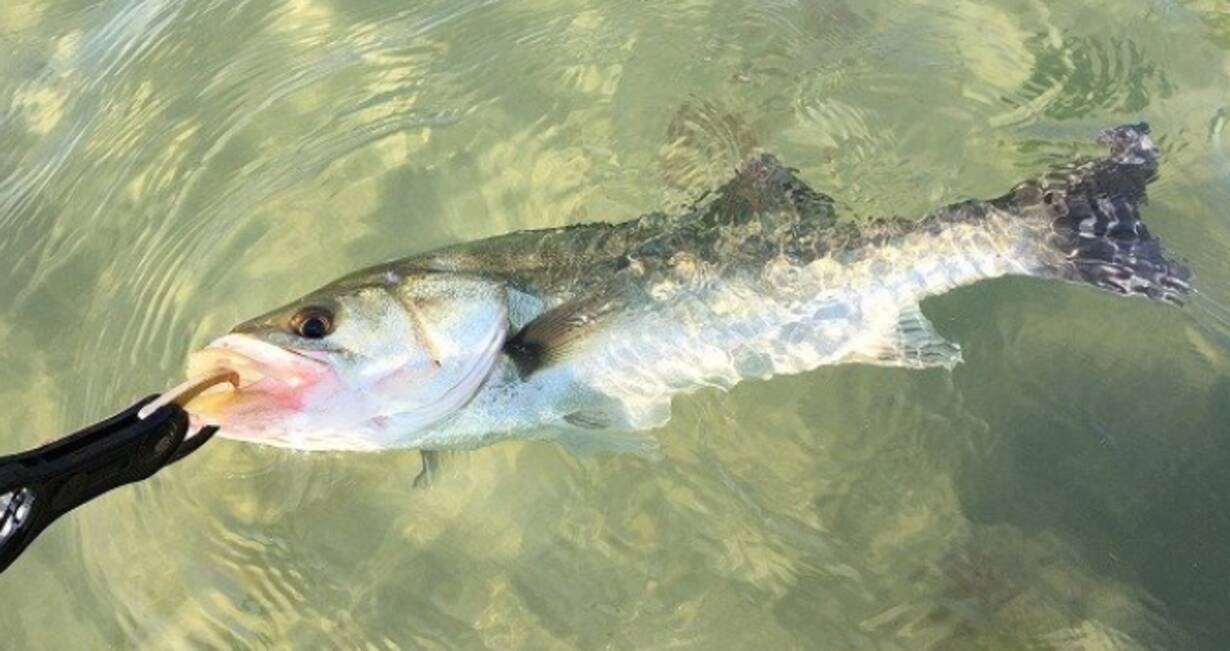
(763, 186)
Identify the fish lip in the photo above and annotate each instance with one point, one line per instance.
(260, 351)
(248, 356)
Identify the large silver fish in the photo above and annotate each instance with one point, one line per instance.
(583, 334)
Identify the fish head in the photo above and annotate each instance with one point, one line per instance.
(360, 364)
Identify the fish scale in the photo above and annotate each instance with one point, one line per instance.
(696, 344)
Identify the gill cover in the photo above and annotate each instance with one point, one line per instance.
(458, 324)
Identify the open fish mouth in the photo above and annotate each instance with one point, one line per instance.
(257, 366)
(264, 381)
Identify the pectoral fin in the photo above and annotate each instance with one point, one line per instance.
(566, 328)
(912, 343)
(550, 337)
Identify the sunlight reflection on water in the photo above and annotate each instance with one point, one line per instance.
(168, 168)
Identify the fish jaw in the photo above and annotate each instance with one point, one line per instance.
(276, 386)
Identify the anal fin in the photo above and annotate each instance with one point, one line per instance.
(912, 343)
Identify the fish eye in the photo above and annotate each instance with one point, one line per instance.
(312, 322)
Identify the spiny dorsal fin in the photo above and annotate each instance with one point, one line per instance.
(764, 186)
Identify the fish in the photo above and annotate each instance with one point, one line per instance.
(584, 334)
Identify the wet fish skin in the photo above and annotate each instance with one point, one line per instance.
(596, 327)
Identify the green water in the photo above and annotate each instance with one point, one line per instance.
(169, 167)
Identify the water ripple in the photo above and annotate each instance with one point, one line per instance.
(1082, 76)
(170, 167)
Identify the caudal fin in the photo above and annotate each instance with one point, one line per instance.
(1096, 223)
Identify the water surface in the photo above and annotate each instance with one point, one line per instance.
(169, 167)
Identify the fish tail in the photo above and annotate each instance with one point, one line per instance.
(1096, 227)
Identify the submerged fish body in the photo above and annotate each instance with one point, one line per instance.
(585, 332)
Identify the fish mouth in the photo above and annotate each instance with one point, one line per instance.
(258, 365)
(266, 380)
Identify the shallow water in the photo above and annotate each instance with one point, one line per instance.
(168, 167)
